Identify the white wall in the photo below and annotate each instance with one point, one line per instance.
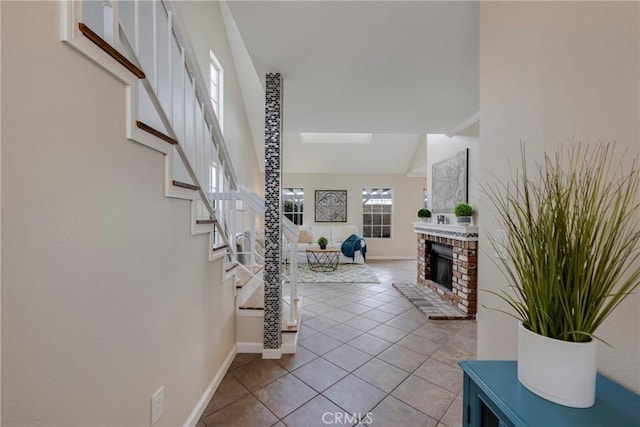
(407, 199)
(206, 31)
(105, 294)
(550, 71)
(440, 147)
(418, 164)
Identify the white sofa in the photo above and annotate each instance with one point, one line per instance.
(336, 234)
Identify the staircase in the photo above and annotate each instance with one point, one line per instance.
(143, 44)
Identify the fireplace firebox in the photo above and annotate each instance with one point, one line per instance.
(441, 265)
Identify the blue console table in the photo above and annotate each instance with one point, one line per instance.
(493, 397)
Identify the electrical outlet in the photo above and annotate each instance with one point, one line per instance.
(157, 405)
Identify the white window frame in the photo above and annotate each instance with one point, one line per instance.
(368, 230)
(216, 88)
(295, 194)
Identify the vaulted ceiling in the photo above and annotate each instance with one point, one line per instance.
(395, 69)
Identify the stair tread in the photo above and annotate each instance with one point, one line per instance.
(256, 300)
(244, 277)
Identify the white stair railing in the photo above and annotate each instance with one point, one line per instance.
(289, 245)
(150, 35)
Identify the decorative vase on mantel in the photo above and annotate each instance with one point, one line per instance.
(464, 220)
(562, 372)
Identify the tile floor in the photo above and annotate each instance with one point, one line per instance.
(364, 350)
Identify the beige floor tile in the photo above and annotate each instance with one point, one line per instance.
(285, 395)
(446, 376)
(320, 374)
(256, 374)
(378, 315)
(361, 323)
(429, 398)
(229, 391)
(356, 308)
(339, 315)
(381, 374)
(387, 333)
(242, 359)
(453, 417)
(354, 395)
(319, 412)
(320, 343)
(370, 344)
(407, 325)
(419, 344)
(291, 362)
(393, 412)
(403, 358)
(246, 412)
(347, 357)
(451, 356)
(343, 332)
(320, 323)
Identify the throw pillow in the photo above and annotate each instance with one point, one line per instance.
(304, 237)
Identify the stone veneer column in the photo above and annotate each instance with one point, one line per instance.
(272, 234)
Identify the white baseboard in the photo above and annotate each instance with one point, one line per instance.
(210, 390)
(272, 354)
(249, 347)
(392, 257)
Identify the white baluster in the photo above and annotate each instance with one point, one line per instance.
(136, 27)
(252, 219)
(155, 46)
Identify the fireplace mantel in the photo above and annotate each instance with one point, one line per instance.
(451, 231)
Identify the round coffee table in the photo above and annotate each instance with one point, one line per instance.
(323, 259)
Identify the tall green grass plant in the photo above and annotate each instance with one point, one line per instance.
(571, 240)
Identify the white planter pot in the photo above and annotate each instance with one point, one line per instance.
(463, 220)
(560, 371)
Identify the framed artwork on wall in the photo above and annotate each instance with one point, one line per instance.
(331, 206)
(449, 182)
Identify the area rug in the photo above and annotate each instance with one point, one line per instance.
(345, 273)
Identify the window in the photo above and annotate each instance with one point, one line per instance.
(377, 206)
(216, 86)
(292, 203)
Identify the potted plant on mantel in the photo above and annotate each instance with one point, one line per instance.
(322, 242)
(463, 212)
(569, 251)
(424, 214)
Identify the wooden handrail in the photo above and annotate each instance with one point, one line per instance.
(205, 221)
(185, 185)
(145, 127)
(110, 50)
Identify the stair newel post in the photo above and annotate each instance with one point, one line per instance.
(272, 337)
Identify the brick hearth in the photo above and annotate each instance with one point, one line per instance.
(464, 241)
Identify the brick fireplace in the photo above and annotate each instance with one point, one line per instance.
(464, 269)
